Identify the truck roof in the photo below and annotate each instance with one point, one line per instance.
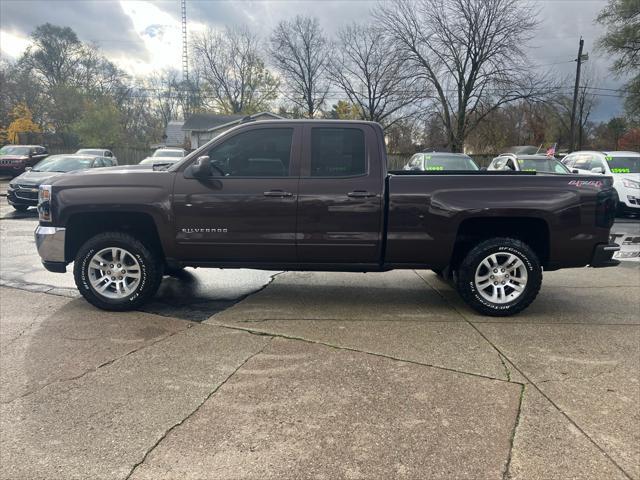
(308, 120)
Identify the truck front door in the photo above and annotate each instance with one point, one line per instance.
(340, 200)
(246, 210)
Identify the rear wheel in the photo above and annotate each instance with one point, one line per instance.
(115, 271)
(499, 277)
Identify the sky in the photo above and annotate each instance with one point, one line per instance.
(143, 36)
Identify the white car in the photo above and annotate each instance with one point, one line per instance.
(624, 167)
(527, 163)
(165, 156)
(100, 152)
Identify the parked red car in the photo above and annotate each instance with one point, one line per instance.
(14, 159)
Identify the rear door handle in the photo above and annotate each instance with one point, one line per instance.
(278, 194)
(361, 194)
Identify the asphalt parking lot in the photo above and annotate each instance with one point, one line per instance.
(248, 374)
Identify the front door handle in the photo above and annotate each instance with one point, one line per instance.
(278, 194)
(360, 194)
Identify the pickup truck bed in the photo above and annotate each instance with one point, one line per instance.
(316, 195)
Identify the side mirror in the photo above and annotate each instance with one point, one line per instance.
(597, 170)
(201, 167)
(27, 169)
(574, 171)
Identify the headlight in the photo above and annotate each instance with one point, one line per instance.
(44, 203)
(630, 183)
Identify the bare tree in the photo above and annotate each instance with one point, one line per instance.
(232, 71)
(561, 104)
(469, 51)
(300, 53)
(54, 55)
(164, 93)
(365, 66)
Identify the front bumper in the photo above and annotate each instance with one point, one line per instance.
(631, 204)
(50, 242)
(23, 196)
(629, 198)
(603, 255)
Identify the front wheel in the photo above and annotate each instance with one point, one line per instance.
(21, 208)
(499, 277)
(115, 271)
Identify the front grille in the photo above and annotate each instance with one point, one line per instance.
(26, 192)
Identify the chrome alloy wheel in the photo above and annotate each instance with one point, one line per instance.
(501, 277)
(114, 273)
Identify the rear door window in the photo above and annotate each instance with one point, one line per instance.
(337, 152)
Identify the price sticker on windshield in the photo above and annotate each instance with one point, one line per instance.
(620, 170)
(435, 167)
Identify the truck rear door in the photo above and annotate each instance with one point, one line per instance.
(340, 201)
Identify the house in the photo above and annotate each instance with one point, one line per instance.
(199, 128)
(174, 135)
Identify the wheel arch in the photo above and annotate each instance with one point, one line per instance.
(534, 231)
(80, 227)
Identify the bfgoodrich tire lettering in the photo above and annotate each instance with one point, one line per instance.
(509, 298)
(148, 271)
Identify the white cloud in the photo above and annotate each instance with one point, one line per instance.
(161, 34)
(13, 44)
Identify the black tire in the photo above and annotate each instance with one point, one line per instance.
(465, 278)
(150, 271)
(21, 208)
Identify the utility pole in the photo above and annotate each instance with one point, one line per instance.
(575, 94)
(185, 59)
(185, 85)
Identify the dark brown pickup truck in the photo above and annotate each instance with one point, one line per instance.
(316, 195)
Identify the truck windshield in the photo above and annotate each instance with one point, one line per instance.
(63, 163)
(624, 164)
(449, 162)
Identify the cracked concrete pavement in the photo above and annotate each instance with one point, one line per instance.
(269, 388)
(323, 375)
